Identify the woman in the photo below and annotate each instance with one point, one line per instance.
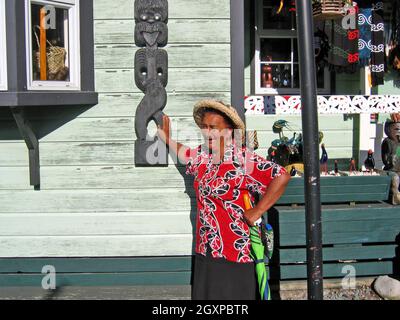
(224, 170)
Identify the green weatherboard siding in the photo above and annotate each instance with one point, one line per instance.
(93, 200)
(94, 203)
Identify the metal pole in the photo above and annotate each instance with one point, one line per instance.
(237, 56)
(311, 148)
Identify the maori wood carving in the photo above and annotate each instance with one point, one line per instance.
(151, 77)
(391, 156)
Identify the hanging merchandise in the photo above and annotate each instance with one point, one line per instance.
(378, 44)
(327, 9)
(364, 42)
(343, 54)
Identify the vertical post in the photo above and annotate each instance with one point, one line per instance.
(311, 149)
(237, 56)
(43, 45)
(368, 132)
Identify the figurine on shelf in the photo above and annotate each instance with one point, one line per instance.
(266, 74)
(390, 150)
(293, 171)
(352, 168)
(286, 77)
(369, 163)
(324, 160)
(336, 168)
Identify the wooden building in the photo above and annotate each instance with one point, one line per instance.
(101, 220)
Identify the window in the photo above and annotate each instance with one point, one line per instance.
(276, 58)
(53, 50)
(3, 47)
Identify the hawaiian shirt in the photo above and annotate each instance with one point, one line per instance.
(219, 188)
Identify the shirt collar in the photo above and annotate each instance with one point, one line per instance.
(230, 153)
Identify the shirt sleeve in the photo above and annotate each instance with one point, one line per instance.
(260, 173)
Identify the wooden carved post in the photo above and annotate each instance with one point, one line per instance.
(151, 77)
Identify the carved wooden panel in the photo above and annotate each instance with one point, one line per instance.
(151, 77)
(334, 104)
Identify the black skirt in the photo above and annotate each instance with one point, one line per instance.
(220, 279)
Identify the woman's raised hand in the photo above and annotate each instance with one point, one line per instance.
(164, 132)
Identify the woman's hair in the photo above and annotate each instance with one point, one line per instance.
(203, 111)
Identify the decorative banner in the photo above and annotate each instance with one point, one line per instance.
(254, 105)
(336, 104)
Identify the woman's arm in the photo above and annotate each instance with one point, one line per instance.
(177, 148)
(274, 191)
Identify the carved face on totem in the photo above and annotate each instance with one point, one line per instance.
(144, 75)
(392, 130)
(151, 17)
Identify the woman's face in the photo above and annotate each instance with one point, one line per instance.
(216, 131)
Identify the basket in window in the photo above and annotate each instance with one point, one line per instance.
(328, 9)
(56, 68)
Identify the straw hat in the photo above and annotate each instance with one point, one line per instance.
(252, 140)
(226, 109)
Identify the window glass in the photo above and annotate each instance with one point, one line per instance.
(275, 49)
(50, 43)
(53, 45)
(285, 19)
(277, 60)
(276, 75)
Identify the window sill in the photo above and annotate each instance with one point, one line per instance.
(287, 92)
(48, 98)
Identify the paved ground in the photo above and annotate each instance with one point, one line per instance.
(297, 290)
(293, 290)
(361, 293)
(96, 293)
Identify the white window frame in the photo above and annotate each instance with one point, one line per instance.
(73, 56)
(3, 48)
(262, 33)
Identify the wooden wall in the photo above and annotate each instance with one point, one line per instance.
(93, 200)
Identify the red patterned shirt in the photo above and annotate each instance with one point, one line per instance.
(219, 193)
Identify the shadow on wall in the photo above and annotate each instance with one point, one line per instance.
(188, 180)
(44, 120)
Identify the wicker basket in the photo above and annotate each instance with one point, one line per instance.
(328, 9)
(55, 60)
